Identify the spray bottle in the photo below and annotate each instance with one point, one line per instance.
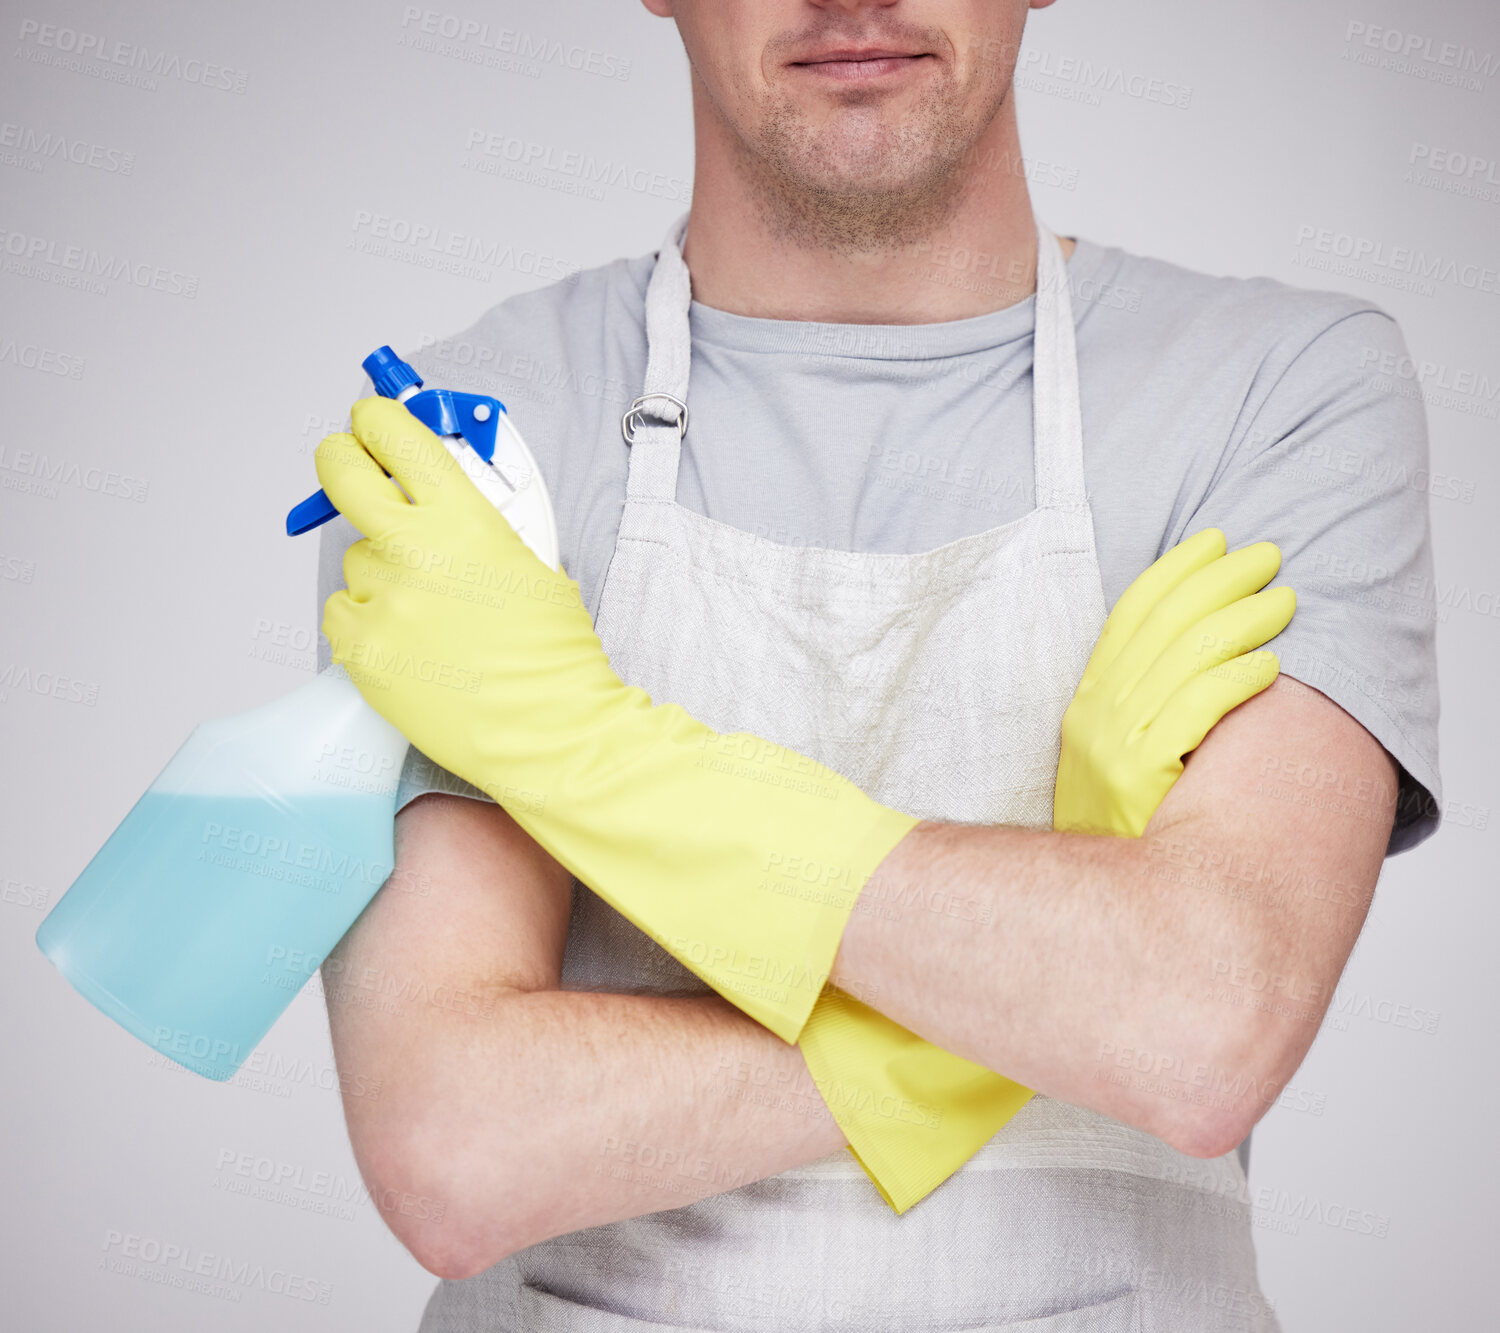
(265, 836)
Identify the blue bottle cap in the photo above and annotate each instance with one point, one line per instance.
(389, 373)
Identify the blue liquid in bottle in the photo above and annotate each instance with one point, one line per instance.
(227, 884)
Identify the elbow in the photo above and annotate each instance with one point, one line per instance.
(451, 1256)
(1232, 1075)
(432, 1206)
(1205, 1133)
(451, 1266)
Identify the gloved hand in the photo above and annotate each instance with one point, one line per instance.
(914, 1113)
(488, 662)
(1174, 657)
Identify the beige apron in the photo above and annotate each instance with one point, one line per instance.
(937, 683)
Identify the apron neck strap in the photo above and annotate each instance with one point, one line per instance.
(654, 426)
(657, 420)
(1057, 423)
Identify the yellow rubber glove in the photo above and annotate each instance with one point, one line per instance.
(914, 1113)
(487, 661)
(1174, 657)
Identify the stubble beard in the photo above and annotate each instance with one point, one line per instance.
(885, 193)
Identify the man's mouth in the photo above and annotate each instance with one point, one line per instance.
(853, 64)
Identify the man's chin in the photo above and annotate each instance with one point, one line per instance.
(863, 191)
(892, 176)
(853, 157)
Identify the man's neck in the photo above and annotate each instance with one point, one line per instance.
(751, 252)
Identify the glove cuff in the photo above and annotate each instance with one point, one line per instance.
(912, 1112)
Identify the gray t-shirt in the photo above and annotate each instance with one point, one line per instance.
(1245, 405)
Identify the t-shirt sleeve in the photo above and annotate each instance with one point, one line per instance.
(1330, 461)
(420, 774)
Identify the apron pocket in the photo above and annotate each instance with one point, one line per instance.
(542, 1312)
(1120, 1314)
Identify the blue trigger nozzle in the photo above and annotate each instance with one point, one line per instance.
(444, 412)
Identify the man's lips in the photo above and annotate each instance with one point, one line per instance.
(854, 64)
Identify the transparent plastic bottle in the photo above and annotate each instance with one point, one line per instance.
(266, 835)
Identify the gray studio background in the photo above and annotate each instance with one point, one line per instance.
(150, 587)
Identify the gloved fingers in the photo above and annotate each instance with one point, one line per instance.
(407, 450)
(341, 624)
(1148, 588)
(359, 559)
(1204, 592)
(1199, 705)
(360, 491)
(1225, 634)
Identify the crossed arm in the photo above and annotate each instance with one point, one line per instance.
(1173, 982)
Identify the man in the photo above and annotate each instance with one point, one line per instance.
(872, 535)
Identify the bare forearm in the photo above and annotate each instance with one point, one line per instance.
(1067, 946)
(1070, 952)
(488, 1109)
(552, 1111)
